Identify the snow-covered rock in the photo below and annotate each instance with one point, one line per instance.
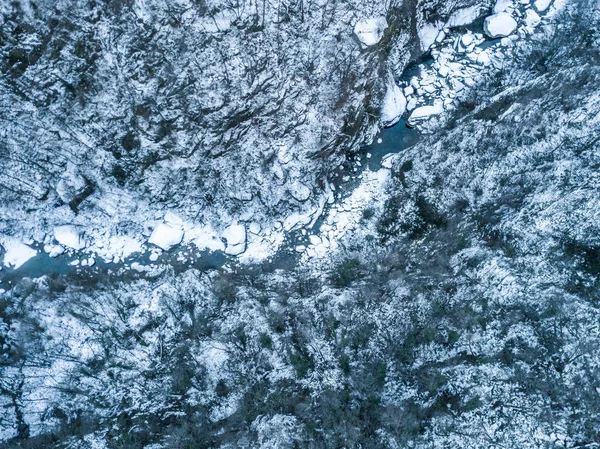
(424, 112)
(254, 228)
(428, 35)
(69, 236)
(166, 236)
(483, 58)
(54, 250)
(17, 253)
(235, 235)
(466, 40)
(532, 18)
(464, 16)
(412, 104)
(71, 185)
(121, 246)
(542, 5)
(503, 5)
(499, 25)
(299, 191)
(314, 240)
(370, 31)
(204, 237)
(209, 242)
(394, 105)
(173, 219)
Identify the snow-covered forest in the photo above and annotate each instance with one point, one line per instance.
(299, 224)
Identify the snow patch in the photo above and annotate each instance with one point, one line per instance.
(122, 246)
(205, 238)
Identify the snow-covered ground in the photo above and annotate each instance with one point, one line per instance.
(445, 296)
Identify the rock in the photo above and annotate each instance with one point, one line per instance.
(428, 35)
(394, 105)
(17, 253)
(542, 5)
(483, 58)
(412, 103)
(499, 25)
(532, 19)
(314, 240)
(69, 236)
(166, 236)
(235, 235)
(370, 31)
(54, 250)
(503, 5)
(464, 16)
(424, 112)
(72, 188)
(299, 191)
(466, 40)
(254, 228)
(173, 219)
